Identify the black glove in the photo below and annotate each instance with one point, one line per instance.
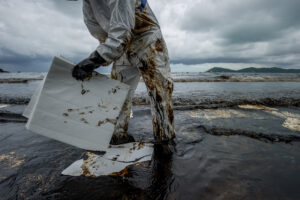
(85, 68)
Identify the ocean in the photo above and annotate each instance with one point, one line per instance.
(189, 88)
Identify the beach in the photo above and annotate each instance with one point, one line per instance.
(238, 137)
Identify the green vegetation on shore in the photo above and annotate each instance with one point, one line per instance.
(254, 70)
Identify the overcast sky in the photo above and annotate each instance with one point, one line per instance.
(199, 33)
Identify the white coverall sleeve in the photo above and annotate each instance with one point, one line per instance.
(122, 23)
(91, 23)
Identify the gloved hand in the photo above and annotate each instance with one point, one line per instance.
(143, 5)
(85, 68)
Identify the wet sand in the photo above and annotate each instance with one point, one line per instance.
(237, 152)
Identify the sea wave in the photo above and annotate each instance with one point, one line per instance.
(228, 78)
(187, 104)
(177, 77)
(14, 100)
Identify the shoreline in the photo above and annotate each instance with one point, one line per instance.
(189, 103)
(19, 80)
(223, 77)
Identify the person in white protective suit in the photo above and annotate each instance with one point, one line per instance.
(130, 37)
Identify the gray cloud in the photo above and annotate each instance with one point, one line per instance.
(203, 31)
(33, 32)
(260, 31)
(70, 8)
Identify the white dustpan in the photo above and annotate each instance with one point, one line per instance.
(29, 108)
(82, 114)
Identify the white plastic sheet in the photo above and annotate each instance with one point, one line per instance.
(2, 106)
(78, 113)
(116, 158)
(29, 108)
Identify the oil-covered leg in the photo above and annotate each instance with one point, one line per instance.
(155, 70)
(125, 73)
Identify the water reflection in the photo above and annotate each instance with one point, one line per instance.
(149, 180)
(162, 178)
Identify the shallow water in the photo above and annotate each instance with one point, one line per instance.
(229, 151)
(187, 93)
(203, 166)
(29, 75)
(223, 90)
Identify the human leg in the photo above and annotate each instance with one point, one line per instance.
(124, 72)
(155, 70)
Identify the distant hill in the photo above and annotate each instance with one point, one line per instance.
(220, 69)
(2, 71)
(254, 70)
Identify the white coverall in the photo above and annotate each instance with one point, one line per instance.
(133, 41)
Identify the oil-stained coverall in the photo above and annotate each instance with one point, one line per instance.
(131, 39)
